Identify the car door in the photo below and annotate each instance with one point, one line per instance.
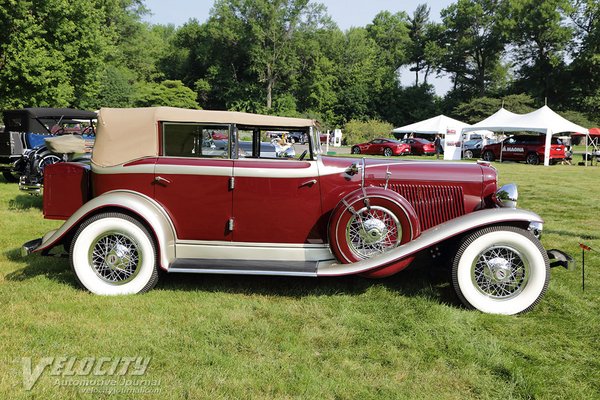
(277, 200)
(192, 180)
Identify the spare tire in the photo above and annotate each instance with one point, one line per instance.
(369, 222)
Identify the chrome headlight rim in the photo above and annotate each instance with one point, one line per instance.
(507, 196)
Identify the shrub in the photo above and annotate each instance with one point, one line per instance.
(356, 131)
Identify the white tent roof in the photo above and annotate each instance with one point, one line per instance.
(439, 124)
(496, 121)
(542, 120)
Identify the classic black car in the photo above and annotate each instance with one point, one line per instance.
(26, 130)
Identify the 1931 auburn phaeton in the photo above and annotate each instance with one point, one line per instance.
(159, 195)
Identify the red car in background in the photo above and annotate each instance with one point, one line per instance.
(420, 146)
(528, 148)
(386, 147)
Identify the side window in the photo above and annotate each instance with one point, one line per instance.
(257, 142)
(195, 140)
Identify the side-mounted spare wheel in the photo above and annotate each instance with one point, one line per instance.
(112, 254)
(501, 270)
(370, 222)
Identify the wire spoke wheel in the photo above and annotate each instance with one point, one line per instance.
(500, 272)
(115, 258)
(373, 230)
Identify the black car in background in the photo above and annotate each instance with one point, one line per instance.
(27, 129)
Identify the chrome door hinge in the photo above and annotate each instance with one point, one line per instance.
(230, 225)
(232, 183)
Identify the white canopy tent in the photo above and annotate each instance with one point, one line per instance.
(543, 120)
(432, 126)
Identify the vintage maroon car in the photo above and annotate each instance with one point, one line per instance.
(420, 146)
(382, 146)
(528, 148)
(159, 195)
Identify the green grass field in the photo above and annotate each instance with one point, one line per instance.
(229, 337)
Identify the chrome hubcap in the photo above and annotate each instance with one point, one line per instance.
(500, 272)
(372, 231)
(115, 258)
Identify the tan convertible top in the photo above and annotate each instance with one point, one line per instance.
(126, 134)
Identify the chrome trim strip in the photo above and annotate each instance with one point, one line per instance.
(253, 251)
(241, 272)
(431, 237)
(314, 169)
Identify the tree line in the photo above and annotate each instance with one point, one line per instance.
(288, 57)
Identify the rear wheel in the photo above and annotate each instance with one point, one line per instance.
(356, 150)
(501, 270)
(488, 155)
(532, 159)
(388, 152)
(114, 254)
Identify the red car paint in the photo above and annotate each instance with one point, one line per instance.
(382, 146)
(524, 148)
(420, 146)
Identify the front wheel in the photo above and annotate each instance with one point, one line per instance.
(356, 150)
(113, 254)
(501, 270)
(468, 154)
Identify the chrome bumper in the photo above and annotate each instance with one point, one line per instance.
(31, 188)
(30, 247)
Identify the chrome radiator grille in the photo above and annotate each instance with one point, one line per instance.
(433, 204)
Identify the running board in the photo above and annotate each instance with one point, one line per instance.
(244, 267)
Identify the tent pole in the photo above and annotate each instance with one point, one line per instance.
(586, 149)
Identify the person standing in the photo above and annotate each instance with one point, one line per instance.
(437, 144)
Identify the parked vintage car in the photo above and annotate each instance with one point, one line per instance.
(155, 197)
(22, 144)
(528, 148)
(382, 146)
(420, 146)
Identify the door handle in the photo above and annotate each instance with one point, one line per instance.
(308, 183)
(161, 180)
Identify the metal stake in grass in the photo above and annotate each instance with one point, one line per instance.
(584, 248)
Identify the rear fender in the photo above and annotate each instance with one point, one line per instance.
(440, 233)
(146, 209)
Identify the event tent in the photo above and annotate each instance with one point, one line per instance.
(436, 125)
(496, 121)
(543, 120)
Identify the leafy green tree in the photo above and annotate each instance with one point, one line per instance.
(166, 93)
(115, 88)
(419, 38)
(480, 108)
(540, 36)
(474, 43)
(585, 69)
(358, 131)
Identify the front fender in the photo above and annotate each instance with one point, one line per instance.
(148, 210)
(432, 236)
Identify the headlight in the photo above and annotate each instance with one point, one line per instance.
(507, 196)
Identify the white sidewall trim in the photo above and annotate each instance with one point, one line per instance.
(534, 287)
(86, 273)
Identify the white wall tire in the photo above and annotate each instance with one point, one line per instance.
(113, 254)
(501, 270)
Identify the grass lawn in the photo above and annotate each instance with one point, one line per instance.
(220, 337)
